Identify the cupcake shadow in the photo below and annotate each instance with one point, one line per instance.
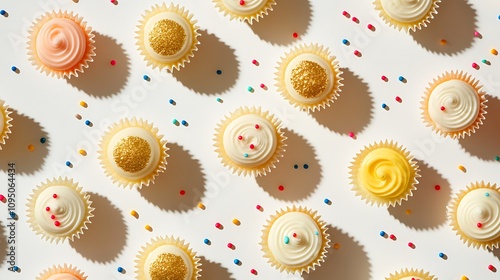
(455, 22)
(354, 102)
(427, 206)
(106, 235)
(495, 252)
(202, 74)
(286, 18)
(298, 171)
(183, 173)
(102, 79)
(24, 132)
(213, 271)
(3, 245)
(485, 143)
(349, 261)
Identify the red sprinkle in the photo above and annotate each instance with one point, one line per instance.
(370, 26)
(295, 35)
(281, 188)
(479, 225)
(257, 126)
(392, 236)
(255, 62)
(57, 223)
(411, 245)
(357, 53)
(242, 2)
(112, 62)
(2, 197)
(384, 78)
(252, 146)
(258, 207)
(443, 108)
(355, 19)
(230, 245)
(351, 134)
(218, 225)
(54, 195)
(52, 217)
(253, 271)
(182, 192)
(262, 86)
(474, 65)
(491, 267)
(240, 137)
(398, 99)
(47, 208)
(437, 187)
(345, 13)
(294, 234)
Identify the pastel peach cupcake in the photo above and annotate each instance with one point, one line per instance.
(61, 44)
(64, 272)
(410, 274)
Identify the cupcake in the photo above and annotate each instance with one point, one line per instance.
(167, 258)
(249, 141)
(454, 105)
(64, 272)
(132, 153)
(308, 77)
(247, 10)
(60, 44)
(167, 36)
(384, 173)
(295, 240)
(475, 215)
(5, 124)
(410, 274)
(407, 14)
(58, 209)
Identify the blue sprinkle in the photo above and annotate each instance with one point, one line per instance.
(345, 42)
(175, 121)
(219, 100)
(236, 261)
(12, 214)
(43, 140)
(120, 269)
(219, 72)
(171, 101)
(384, 105)
(206, 241)
(14, 68)
(250, 89)
(3, 12)
(245, 155)
(326, 201)
(183, 122)
(317, 233)
(401, 78)
(441, 254)
(295, 166)
(68, 163)
(382, 233)
(498, 16)
(486, 194)
(145, 77)
(87, 122)
(286, 240)
(306, 166)
(16, 268)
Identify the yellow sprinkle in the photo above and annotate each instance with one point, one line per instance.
(464, 278)
(148, 228)
(336, 246)
(82, 152)
(443, 42)
(408, 211)
(31, 147)
(494, 52)
(134, 213)
(462, 168)
(201, 206)
(236, 222)
(83, 104)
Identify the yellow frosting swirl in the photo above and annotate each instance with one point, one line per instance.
(386, 173)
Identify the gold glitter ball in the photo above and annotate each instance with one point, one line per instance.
(309, 79)
(168, 266)
(167, 37)
(132, 154)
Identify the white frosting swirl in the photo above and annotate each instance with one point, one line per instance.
(179, 19)
(300, 250)
(248, 8)
(262, 138)
(322, 63)
(165, 249)
(65, 214)
(407, 10)
(63, 276)
(144, 134)
(61, 43)
(480, 206)
(461, 105)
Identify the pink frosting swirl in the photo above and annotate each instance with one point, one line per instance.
(61, 43)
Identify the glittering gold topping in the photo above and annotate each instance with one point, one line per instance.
(309, 79)
(168, 267)
(132, 154)
(167, 37)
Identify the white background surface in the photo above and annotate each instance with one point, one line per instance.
(45, 107)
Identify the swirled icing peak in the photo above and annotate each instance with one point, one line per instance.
(407, 11)
(61, 44)
(453, 105)
(478, 214)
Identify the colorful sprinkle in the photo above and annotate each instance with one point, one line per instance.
(295, 166)
(477, 34)
(242, 2)
(134, 213)
(83, 104)
(281, 188)
(352, 135)
(57, 223)
(398, 99)
(88, 123)
(184, 122)
(411, 245)
(382, 233)
(253, 271)
(306, 166)
(171, 101)
(2, 12)
(15, 268)
(255, 62)
(442, 255)
(286, 239)
(437, 187)
(53, 217)
(442, 108)
(443, 42)
(175, 121)
(263, 86)
(47, 208)
(257, 126)
(493, 51)
(78, 117)
(182, 192)
(371, 27)
(112, 62)
(475, 65)
(355, 19)
(236, 262)
(43, 140)
(245, 155)
(219, 226)
(408, 211)
(219, 72)
(2, 198)
(402, 79)
(207, 241)
(479, 225)
(31, 147)
(82, 152)
(54, 195)
(462, 168)
(252, 146)
(327, 201)
(250, 89)
(120, 269)
(231, 246)
(464, 278)
(148, 228)
(219, 100)
(384, 106)
(497, 158)
(146, 78)
(12, 214)
(492, 268)
(384, 78)
(236, 222)
(346, 14)
(393, 237)
(336, 246)
(13, 68)
(201, 206)
(357, 53)
(295, 35)
(345, 42)
(258, 207)
(68, 164)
